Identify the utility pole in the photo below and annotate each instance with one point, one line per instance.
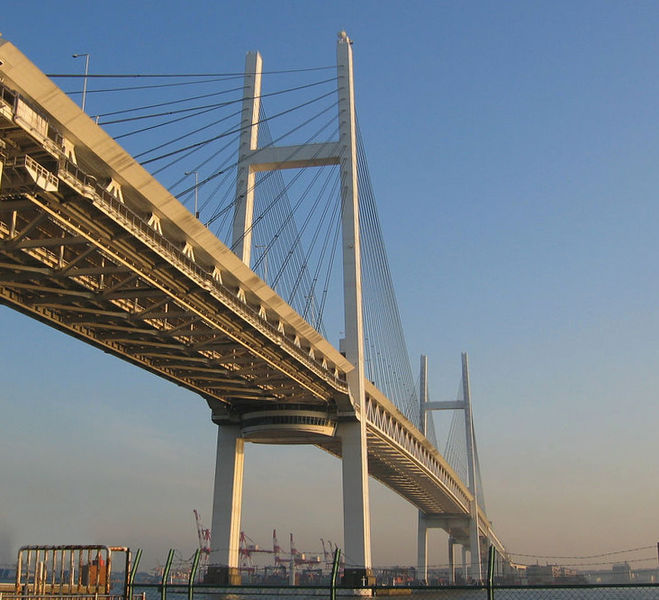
(84, 85)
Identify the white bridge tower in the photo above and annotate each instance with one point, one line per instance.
(448, 522)
(351, 431)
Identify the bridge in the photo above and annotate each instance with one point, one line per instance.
(93, 245)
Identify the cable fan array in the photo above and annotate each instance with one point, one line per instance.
(387, 359)
(455, 451)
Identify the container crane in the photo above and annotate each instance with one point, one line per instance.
(248, 546)
(276, 549)
(326, 555)
(294, 551)
(245, 554)
(204, 537)
(332, 549)
(300, 558)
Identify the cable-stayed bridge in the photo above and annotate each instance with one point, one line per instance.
(92, 244)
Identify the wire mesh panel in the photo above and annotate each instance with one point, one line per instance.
(203, 592)
(612, 592)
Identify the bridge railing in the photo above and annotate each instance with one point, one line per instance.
(395, 426)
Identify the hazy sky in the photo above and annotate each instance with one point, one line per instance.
(514, 151)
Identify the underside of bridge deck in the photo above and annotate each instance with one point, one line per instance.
(403, 475)
(65, 262)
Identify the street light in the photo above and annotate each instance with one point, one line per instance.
(84, 85)
(196, 190)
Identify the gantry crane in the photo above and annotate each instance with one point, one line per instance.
(204, 537)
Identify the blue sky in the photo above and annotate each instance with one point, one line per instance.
(513, 149)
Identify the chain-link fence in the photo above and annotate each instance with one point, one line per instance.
(502, 580)
(187, 579)
(475, 592)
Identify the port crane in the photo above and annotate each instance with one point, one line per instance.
(277, 549)
(204, 537)
(248, 547)
(300, 558)
(328, 553)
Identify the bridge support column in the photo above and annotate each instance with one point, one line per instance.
(422, 549)
(227, 506)
(451, 564)
(474, 550)
(484, 553)
(356, 509)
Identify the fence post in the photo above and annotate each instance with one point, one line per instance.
(193, 572)
(490, 572)
(165, 574)
(335, 572)
(133, 572)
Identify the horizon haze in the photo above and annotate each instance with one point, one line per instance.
(513, 150)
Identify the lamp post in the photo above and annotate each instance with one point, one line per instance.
(84, 85)
(196, 190)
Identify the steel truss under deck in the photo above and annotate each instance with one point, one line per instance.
(97, 275)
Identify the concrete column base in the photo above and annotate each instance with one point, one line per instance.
(357, 577)
(223, 575)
